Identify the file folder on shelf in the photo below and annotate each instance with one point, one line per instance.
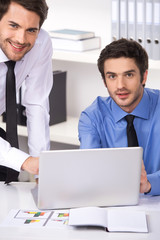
(115, 19)
(140, 21)
(156, 29)
(123, 18)
(148, 28)
(57, 98)
(131, 19)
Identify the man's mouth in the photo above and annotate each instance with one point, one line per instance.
(17, 46)
(122, 95)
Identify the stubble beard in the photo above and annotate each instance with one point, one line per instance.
(14, 57)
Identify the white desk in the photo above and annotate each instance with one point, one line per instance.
(18, 196)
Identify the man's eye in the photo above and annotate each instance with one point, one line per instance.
(111, 76)
(13, 25)
(32, 30)
(129, 75)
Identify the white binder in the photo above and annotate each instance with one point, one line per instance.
(123, 19)
(115, 19)
(131, 19)
(140, 21)
(156, 29)
(148, 27)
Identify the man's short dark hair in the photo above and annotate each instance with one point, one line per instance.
(124, 48)
(38, 6)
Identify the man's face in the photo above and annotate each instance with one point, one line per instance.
(19, 29)
(123, 81)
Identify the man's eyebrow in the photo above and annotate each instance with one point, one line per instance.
(13, 23)
(128, 71)
(110, 73)
(33, 28)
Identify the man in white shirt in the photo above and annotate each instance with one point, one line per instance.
(22, 40)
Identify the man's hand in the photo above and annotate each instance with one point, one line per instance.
(145, 185)
(31, 165)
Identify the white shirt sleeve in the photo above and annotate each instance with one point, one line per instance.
(11, 157)
(38, 86)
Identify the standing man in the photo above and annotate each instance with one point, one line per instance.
(123, 65)
(30, 49)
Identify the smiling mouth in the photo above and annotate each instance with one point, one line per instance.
(17, 46)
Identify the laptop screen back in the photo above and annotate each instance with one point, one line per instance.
(92, 177)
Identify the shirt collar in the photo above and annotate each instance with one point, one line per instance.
(3, 57)
(140, 111)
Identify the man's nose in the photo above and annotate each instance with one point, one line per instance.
(21, 36)
(120, 81)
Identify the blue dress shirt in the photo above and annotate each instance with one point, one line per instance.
(102, 125)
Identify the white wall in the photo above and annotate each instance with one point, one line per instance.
(84, 83)
(153, 80)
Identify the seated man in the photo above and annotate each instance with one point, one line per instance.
(123, 65)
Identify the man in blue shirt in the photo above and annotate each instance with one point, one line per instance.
(123, 65)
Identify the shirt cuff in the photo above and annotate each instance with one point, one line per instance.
(154, 180)
(15, 158)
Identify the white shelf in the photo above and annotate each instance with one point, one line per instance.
(91, 57)
(84, 57)
(65, 132)
(154, 64)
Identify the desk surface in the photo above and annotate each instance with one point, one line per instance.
(18, 196)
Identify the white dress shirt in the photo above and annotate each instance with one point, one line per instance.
(35, 71)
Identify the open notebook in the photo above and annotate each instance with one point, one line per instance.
(114, 220)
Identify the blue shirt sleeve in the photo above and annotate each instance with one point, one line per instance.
(88, 135)
(154, 180)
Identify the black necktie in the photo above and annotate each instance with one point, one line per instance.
(11, 116)
(131, 133)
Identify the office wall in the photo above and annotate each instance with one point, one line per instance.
(84, 83)
(153, 80)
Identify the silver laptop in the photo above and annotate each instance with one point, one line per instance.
(92, 177)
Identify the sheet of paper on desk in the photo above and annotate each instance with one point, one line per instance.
(59, 219)
(36, 218)
(115, 220)
(26, 218)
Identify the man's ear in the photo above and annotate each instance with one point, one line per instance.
(145, 75)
